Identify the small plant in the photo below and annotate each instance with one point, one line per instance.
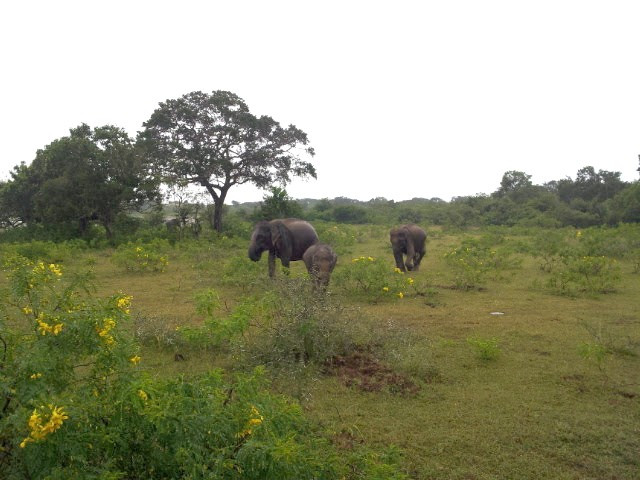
(294, 327)
(594, 352)
(487, 349)
(373, 280)
(217, 328)
(470, 264)
(241, 272)
(137, 257)
(341, 237)
(584, 274)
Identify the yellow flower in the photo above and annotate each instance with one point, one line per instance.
(135, 359)
(39, 429)
(370, 259)
(385, 289)
(123, 303)
(43, 327)
(55, 269)
(27, 310)
(400, 295)
(143, 395)
(57, 328)
(397, 270)
(35, 376)
(410, 281)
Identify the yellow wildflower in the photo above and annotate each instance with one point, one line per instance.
(27, 310)
(143, 395)
(385, 289)
(39, 429)
(400, 295)
(370, 259)
(123, 303)
(135, 359)
(35, 376)
(410, 281)
(55, 269)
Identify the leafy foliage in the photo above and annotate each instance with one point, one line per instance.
(141, 257)
(77, 405)
(88, 175)
(213, 141)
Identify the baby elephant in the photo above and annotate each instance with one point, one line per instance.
(320, 260)
(408, 240)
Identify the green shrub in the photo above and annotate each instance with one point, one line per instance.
(341, 237)
(139, 257)
(76, 403)
(584, 274)
(486, 348)
(240, 271)
(373, 280)
(292, 326)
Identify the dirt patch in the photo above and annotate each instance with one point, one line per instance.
(362, 370)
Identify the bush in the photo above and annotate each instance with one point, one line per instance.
(584, 274)
(293, 326)
(373, 280)
(139, 257)
(77, 404)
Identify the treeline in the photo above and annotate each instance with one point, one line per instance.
(592, 198)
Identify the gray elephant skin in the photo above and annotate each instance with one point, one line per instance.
(320, 260)
(408, 240)
(284, 238)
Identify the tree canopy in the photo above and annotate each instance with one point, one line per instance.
(88, 175)
(212, 140)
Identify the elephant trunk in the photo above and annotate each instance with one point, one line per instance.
(254, 253)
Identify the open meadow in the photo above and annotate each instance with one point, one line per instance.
(511, 353)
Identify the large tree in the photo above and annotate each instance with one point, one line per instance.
(92, 174)
(212, 140)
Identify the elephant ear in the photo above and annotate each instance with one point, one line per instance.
(280, 237)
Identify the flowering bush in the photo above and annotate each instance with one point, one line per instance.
(470, 264)
(77, 404)
(584, 274)
(372, 279)
(142, 257)
(341, 237)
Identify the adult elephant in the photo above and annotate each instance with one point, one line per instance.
(408, 240)
(320, 260)
(286, 239)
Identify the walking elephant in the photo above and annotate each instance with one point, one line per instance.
(286, 239)
(408, 240)
(320, 260)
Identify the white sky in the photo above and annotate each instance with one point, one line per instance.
(400, 99)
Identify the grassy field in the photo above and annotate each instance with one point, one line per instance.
(507, 379)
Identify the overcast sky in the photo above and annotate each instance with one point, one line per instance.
(400, 99)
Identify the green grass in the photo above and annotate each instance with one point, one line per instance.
(540, 409)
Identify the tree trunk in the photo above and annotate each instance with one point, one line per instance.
(217, 214)
(218, 203)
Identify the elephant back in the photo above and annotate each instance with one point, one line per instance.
(302, 236)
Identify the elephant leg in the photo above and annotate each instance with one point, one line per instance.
(272, 264)
(399, 261)
(417, 260)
